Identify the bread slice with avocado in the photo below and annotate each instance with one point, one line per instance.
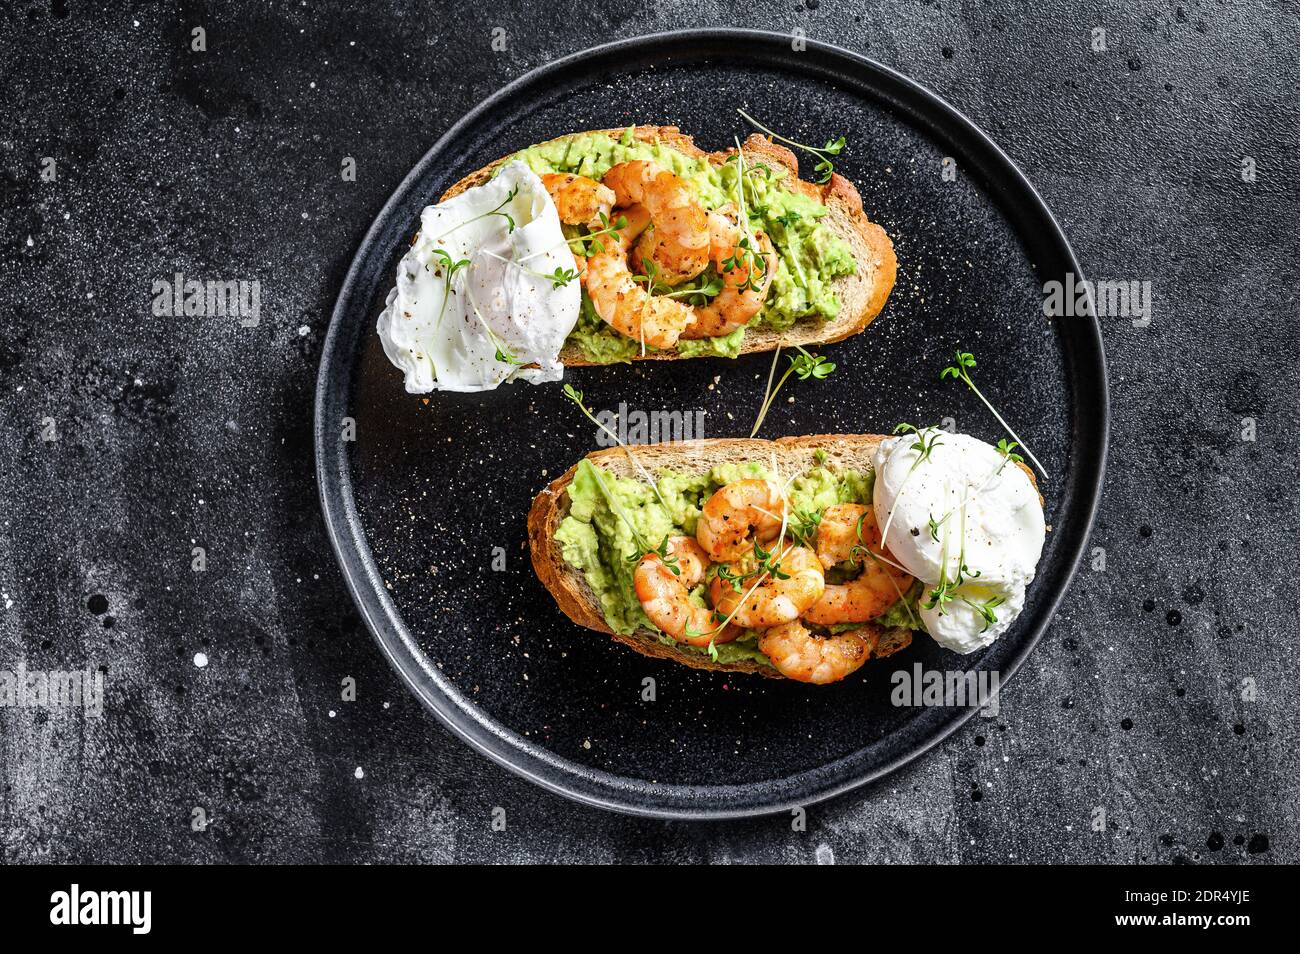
(827, 457)
(810, 289)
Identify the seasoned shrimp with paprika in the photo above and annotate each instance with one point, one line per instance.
(848, 533)
(758, 596)
(621, 301)
(802, 655)
(738, 514)
(663, 588)
(746, 269)
(579, 200)
(678, 243)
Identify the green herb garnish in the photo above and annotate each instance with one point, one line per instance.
(806, 366)
(574, 395)
(590, 244)
(449, 267)
(961, 372)
(824, 168)
(804, 528)
(946, 588)
(483, 215)
(986, 609)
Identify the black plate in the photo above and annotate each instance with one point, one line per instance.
(440, 485)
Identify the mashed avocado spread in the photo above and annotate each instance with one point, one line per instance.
(596, 538)
(810, 255)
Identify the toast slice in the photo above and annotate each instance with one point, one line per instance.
(569, 585)
(862, 295)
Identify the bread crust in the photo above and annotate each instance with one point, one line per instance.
(862, 295)
(569, 586)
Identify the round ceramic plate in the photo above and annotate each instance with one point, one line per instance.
(426, 506)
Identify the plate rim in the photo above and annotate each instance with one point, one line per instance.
(475, 726)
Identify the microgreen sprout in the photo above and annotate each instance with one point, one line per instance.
(766, 564)
(986, 609)
(763, 565)
(666, 556)
(804, 365)
(735, 580)
(643, 545)
(936, 524)
(483, 215)
(503, 354)
(590, 244)
(945, 590)
(804, 528)
(574, 395)
(961, 371)
(859, 550)
(561, 276)
(701, 295)
(655, 286)
(449, 267)
(558, 278)
(745, 255)
(506, 215)
(729, 576)
(941, 595)
(824, 168)
(1007, 452)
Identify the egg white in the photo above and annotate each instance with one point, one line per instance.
(973, 493)
(452, 336)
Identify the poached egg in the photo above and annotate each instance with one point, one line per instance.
(473, 306)
(965, 502)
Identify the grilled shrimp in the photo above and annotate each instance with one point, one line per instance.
(738, 514)
(740, 299)
(579, 200)
(848, 532)
(678, 245)
(665, 595)
(837, 534)
(623, 303)
(799, 654)
(773, 598)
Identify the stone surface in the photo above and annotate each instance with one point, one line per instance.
(223, 688)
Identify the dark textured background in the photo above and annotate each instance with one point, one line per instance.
(173, 433)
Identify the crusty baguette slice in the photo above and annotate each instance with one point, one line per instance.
(862, 295)
(793, 455)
